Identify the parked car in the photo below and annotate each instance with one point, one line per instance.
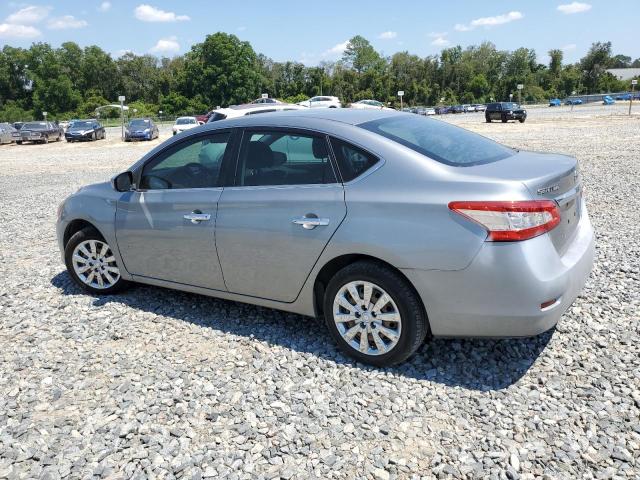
(479, 239)
(443, 109)
(141, 129)
(266, 100)
(479, 107)
(8, 134)
(369, 104)
(607, 100)
(18, 125)
(421, 110)
(573, 101)
(185, 123)
(457, 109)
(85, 130)
(555, 102)
(250, 109)
(505, 111)
(469, 108)
(429, 111)
(322, 101)
(40, 132)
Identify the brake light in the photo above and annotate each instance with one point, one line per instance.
(511, 221)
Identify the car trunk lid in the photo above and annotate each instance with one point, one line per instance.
(546, 176)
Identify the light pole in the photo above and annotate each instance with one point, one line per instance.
(633, 85)
(520, 87)
(44, 114)
(121, 99)
(160, 112)
(572, 100)
(401, 94)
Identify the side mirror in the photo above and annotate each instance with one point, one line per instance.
(123, 182)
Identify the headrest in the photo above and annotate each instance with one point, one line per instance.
(279, 158)
(259, 155)
(319, 146)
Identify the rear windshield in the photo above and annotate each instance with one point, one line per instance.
(138, 123)
(35, 126)
(439, 140)
(185, 121)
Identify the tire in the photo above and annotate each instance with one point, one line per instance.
(413, 326)
(94, 137)
(77, 248)
(504, 119)
(19, 142)
(487, 119)
(521, 120)
(46, 139)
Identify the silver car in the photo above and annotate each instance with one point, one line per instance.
(391, 226)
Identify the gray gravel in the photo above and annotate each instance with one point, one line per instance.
(161, 384)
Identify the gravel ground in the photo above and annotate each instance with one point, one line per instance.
(161, 384)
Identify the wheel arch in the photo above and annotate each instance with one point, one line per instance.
(75, 226)
(338, 263)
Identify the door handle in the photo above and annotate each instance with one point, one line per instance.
(309, 222)
(197, 216)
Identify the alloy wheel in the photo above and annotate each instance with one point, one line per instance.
(367, 318)
(94, 264)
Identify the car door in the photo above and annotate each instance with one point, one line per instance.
(279, 215)
(166, 228)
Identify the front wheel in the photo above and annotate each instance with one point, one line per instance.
(46, 139)
(374, 314)
(94, 137)
(91, 263)
(487, 119)
(521, 120)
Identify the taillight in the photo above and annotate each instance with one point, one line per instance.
(511, 221)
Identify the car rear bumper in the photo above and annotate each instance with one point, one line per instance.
(501, 292)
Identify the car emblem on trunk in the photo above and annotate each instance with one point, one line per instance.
(551, 188)
(575, 175)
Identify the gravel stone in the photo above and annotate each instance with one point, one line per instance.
(153, 383)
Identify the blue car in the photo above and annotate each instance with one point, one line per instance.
(573, 101)
(607, 100)
(624, 96)
(141, 129)
(555, 102)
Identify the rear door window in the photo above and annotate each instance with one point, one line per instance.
(352, 161)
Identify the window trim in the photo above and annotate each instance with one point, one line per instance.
(289, 130)
(169, 149)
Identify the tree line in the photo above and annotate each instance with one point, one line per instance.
(223, 70)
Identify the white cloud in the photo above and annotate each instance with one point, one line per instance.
(489, 22)
(566, 48)
(388, 35)
(166, 45)
(105, 6)
(574, 7)
(440, 42)
(66, 22)
(148, 13)
(28, 15)
(9, 30)
(336, 50)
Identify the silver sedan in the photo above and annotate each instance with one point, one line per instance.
(391, 226)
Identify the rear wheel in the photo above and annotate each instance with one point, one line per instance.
(521, 120)
(374, 314)
(504, 118)
(91, 263)
(487, 119)
(45, 140)
(19, 142)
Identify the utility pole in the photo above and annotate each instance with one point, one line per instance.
(633, 85)
(401, 94)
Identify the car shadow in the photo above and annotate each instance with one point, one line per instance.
(472, 364)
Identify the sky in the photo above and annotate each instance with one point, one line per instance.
(312, 32)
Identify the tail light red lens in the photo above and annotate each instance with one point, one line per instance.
(511, 221)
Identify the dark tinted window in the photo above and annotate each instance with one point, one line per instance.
(352, 162)
(194, 163)
(279, 158)
(439, 140)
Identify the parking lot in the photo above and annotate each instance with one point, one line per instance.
(155, 383)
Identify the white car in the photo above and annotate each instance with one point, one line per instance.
(185, 123)
(235, 111)
(268, 100)
(369, 105)
(429, 111)
(322, 101)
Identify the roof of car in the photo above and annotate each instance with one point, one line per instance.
(349, 116)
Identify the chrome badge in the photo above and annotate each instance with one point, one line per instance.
(549, 189)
